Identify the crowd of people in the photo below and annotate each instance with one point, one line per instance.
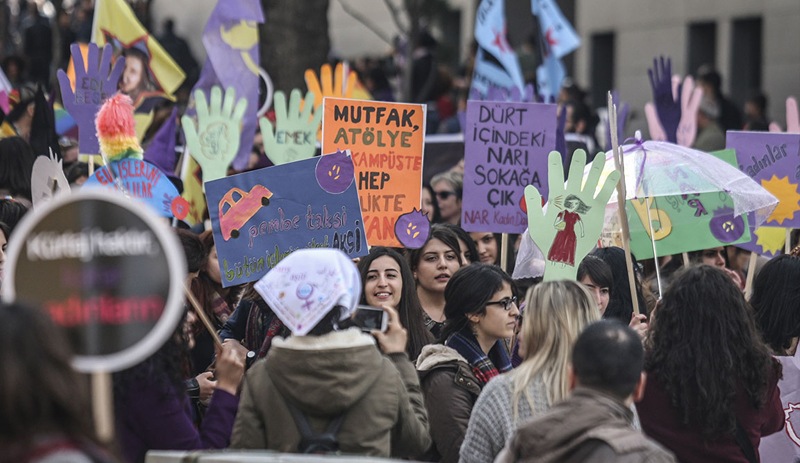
(473, 366)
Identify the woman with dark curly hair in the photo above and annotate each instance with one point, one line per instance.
(712, 389)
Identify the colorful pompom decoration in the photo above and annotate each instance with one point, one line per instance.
(116, 130)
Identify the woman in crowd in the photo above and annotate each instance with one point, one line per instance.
(487, 246)
(387, 280)
(776, 302)
(711, 390)
(448, 187)
(596, 275)
(16, 167)
(481, 312)
(469, 253)
(253, 326)
(428, 205)
(152, 409)
(217, 303)
(555, 314)
(432, 265)
(328, 377)
(43, 402)
(620, 304)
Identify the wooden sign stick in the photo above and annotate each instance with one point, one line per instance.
(504, 252)
(103, 406)
(751, 274)
(203, 317)
(621, 195)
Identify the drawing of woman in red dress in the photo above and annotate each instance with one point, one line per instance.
(565, 242)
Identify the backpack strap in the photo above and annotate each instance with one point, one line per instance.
(745, 444)
(313, 442)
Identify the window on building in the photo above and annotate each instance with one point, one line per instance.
(602, 67)
(702, 46)
(746, 58)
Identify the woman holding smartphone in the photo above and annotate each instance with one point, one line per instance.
(387, 280)
(481, 312)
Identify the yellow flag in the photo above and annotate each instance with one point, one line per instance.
(150, 73)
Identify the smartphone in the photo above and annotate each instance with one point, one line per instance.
(370, 318)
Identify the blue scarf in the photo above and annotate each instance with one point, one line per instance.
(484, 367)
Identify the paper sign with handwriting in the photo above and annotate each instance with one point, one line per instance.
(506, 149)
(387, 141)
(260, 217)
(772, 160)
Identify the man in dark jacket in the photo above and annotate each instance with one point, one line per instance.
(594, 423)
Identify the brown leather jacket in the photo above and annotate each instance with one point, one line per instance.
(589, 426)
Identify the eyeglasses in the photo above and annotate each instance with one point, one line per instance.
(505, 302)
(444, 194)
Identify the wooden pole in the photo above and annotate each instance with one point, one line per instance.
(504, 252)
(621, 195)
(751, 274)
(103, 406)
(203, 317)
(787, 246)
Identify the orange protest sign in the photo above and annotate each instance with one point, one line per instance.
(387, 141)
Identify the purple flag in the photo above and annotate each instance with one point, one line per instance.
(506, 148)
(161, 151)
(231, 41)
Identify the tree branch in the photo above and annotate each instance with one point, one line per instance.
(366, 22)
(396, 16)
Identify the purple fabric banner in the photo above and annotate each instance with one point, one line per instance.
(506, 148)
(161, 151)
(231, 41)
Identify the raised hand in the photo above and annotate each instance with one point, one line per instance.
(215, 141)
(691, 97)
(295, 133)
(792, 118)
(665, 99)
(568, 227)
(93, 85)
(331, 83)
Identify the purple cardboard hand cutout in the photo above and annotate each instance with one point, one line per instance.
(668, 106)
(93, 85)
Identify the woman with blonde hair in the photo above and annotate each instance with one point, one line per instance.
(555, 314)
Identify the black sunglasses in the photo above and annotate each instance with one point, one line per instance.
(444, 194)
(505, 302)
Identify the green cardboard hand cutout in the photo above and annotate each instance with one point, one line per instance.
(215, 141)
(570, 224)
(294, 136)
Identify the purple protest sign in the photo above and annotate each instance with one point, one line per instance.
(506, 145)
(772, 160)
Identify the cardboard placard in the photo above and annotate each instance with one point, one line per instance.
(259, 217)
(387, 141)
(106, 270)
(506, 149)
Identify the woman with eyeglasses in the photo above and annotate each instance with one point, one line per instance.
(448, 187)
(555, 314)
(481, 312)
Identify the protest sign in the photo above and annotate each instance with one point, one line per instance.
(47, 179)
(144, 181)
(506, 146)
(260, 217)
(106, 270)
(387, 142)
(688, 222)
(772, 160)
(568, 226)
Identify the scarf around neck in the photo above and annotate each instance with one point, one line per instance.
(484, 367)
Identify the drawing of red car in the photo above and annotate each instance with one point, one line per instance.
(239, 211)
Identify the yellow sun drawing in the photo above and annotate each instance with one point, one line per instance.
(771, 239)
(787, 195)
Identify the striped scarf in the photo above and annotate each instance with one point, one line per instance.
(484, 367)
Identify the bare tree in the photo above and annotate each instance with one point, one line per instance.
(293, 38)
